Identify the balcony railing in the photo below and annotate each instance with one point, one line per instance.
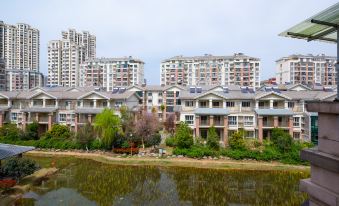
(268, 123)
(204, 122)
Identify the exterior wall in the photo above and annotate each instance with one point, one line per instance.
(21, 80)
(211, 70)
(306, 69)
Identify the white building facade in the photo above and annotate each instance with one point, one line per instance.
(238, 69)
(306, 69)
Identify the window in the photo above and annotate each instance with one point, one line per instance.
(72, 116)
(188, 103)
(160, 94)
(149, 94)
(160, 101)
(216, 104)
(150, 101)
(249, 134)
(248, 120)
(296, 135)
(246, 104)
(296, 121)
(62, 117)
(189, 119)
(230, 104)
(232, 120)
(261, 104)
(203, 104)
(14, 116)
(290, 104)
(104, 104)
(275, 104)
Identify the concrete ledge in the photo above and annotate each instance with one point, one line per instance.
(328, 146)
(323, 107)
(325, 178)
(319, 193)
(321, 159)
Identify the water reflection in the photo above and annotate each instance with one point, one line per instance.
(86, 182)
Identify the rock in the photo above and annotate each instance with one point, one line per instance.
(180, 156)
(215, 158)
(174, 156)
(204, 157)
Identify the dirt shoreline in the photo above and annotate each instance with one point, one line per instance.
(174, 161)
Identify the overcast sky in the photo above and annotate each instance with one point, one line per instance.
(153, 30)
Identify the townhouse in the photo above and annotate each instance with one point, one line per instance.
(61, 105)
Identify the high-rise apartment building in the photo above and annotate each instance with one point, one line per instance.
(2, 75)
(20, 47)
(306, 69)
(66, 55)
(112, 72)
(238, 69)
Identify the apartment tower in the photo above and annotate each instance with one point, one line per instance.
(66, 55)
(306, 69)
(237, 69)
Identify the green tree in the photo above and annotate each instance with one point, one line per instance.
(236, 141)
(281, 139)
(19, 167)
(32, 131)
(86, 135)
(212, 138)
(58, 131)
(10, 132)
(183, 136)
(108, 126)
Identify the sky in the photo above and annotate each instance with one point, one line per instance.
(153, 30)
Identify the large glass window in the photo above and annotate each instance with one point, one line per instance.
(14, 116)
(246, 104)
(230, 104)
(232, 120)
(62, 117)
(296, 122)
(189, 119)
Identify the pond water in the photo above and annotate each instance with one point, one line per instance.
(86, 182)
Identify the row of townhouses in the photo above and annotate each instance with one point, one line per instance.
(228, 108)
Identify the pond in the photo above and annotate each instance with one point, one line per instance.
(87, 182)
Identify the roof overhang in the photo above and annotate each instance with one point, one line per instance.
(211, 111)
(274, 112)
(322, 26)
(8, 150)
(40, 109)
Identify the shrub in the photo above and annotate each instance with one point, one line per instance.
(154, 140)
(125, 144)
(19, 167)
(170, 141)
(58, 131)
(85, 135)
(32, 131)
(212, 138)
(236, 141)
(10, 132)
(183, 136)
(281, 139)
(96, 144)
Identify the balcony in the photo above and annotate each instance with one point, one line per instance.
(268, 123)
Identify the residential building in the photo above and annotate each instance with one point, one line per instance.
(19, 48)
(66, 55)
(237, 69)
(112, 72)
(271, 80)
(306, 69)
(2, 75)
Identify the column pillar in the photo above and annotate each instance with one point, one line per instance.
(211, 120)
(256, 104)
(108, 104)
(50, 115)
(1, 119)
(286, 104)
(260, 130)
(37, 117)
(56, 103)
(225, 130)
(196, 103)
(197, 126)
(94, 103)
(76, 119)
(271, 104)
(24, 121)
(89, 119)
(210, 103)
(82, 103)
(43, 102)
(290, 125)
(224, 104)
(275, 121)
(9, 103)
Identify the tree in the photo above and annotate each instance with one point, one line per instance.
(183, 136)
(85, 135)
(170, 124)
(127, 122)
(154, 140)
(237, 140)
(58, 131)
(10, 132)
(281, 139)
(146, 127)
(108, 125)
(32, 131)
(162, 107)
(19, 167)
(212, 138)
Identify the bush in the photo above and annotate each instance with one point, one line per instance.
(212, 138)
(10, 132)
(96, 144)
(170, 141)
(58, 131)
(236, 141)
(32, 131)
(85, 135)
(281, 139)
(183, 136)
(19, 167)
(125, 144)
(154, 140)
